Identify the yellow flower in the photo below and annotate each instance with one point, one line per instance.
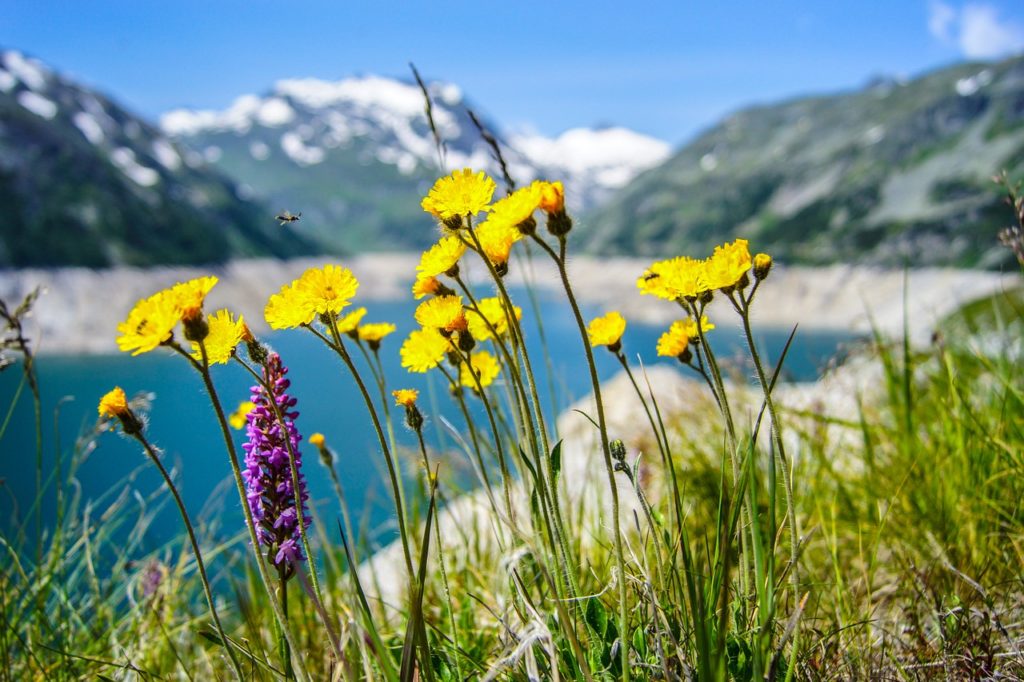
(497, 236)
(607, 330)
(114, 403)
(727, 265)
(328, 289)
(674, 342)
(189, 296)
(690, 325)
(681, 334)
(424, 286)
(238, 418)
(459, 194)
(149, 324)
(673, 279)
(287, 309)
(424, 349)
(350, 321)
(484, 365)
(405, 396)
(442, 313)
(441, 258)
(552, 197)
(375, 331)
(317, 440)
(225, 333)
(519, 206)
(490, 310)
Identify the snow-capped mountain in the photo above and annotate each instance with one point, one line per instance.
(355, 155)
(84, 182)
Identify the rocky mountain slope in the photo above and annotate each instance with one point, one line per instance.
(899, 171)
(84, 182)
(356, 155)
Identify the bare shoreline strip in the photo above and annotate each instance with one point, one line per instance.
(82, 307)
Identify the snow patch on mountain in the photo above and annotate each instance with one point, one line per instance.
(166, 154)
(7, 81)
(89, 126)
(29, 71)
(299, 152)
(37, 104)
(124, 159)
(385, 118)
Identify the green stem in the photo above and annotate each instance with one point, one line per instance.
(743, 308)
(339, 347)
(602, 424)
(285, 653)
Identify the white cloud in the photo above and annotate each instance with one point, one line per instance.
(984, 36)
(941, 18)
(977, 30)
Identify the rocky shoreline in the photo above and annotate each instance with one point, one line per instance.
(81, 307)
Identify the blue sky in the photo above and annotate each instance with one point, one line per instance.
(664, 68)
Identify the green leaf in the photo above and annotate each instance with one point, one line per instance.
(596, 616)
(640, 642)
(556, 460)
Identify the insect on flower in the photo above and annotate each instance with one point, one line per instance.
(288, 217)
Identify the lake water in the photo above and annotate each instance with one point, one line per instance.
(182, 423)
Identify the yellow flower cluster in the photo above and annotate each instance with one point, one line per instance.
(484, 366)
(319, 291)
(423, 350)
(224, 336)
(607, 330)
(441, 258)
(443, 313)
(238, 418)
(490, 314)
(681, 334)
(405, 397)
(114, 403)
(687, 278)
(348, 322)
(374, 332)
(152, 320)
(463, 193)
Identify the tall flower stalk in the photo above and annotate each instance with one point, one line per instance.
(270, 452)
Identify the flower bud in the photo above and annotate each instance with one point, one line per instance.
(762, 266)
(413, 417)
(559, 223)
(466, 342)
(257, 352)
(196, 326)
(528, 226)
(618, 449)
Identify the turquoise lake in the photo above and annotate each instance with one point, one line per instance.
(183, 425)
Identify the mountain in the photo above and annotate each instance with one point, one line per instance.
(899, 171)
(355, 156)
(84, 182)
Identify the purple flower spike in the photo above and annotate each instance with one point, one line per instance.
(268, 473)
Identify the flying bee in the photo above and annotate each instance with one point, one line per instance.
(288, 217)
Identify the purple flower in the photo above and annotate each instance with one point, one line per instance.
(268, 472)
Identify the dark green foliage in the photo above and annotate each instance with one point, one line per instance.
(66, 202)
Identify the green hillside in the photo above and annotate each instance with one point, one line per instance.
(896, 172)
